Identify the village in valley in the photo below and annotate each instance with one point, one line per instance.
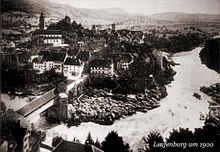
(72, 74)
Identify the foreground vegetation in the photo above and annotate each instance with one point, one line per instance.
(203, 139)
(28, 81)
(210, 54)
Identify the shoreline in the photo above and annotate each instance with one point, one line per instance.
(105, 109)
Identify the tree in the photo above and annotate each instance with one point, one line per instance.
(152, 138)
(56, 140)
(89, 139)
(60, 87)
(208, 134)
(114, 143)
(182, 135)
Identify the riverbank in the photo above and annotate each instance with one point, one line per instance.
(178, 109)
(213, 91)
(104, 108)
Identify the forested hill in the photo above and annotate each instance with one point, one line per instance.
(210, 54)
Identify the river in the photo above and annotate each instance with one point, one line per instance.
(178, 109)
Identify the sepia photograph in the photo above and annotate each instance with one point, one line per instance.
(110, 76)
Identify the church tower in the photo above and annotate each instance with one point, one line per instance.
(42, 21)
(113, 27)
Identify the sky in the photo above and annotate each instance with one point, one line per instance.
(148, 7)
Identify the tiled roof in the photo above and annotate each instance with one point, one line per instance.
(70, 61)
(67, 146)
(12, 117)
(54, 56)
(36, 60)
(73, 52)
(47, 32)
(126, 57)
(100, 63)
(83, 56)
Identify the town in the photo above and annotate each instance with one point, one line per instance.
(77, 74)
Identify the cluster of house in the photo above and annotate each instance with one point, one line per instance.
(81, 56)
(72, 66)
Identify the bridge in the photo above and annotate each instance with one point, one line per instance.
(37, 106)
(37, 103)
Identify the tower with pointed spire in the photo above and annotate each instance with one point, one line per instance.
(42, 21)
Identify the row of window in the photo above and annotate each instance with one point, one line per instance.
(53, 35)
(51, 40)
(97, 68)
(93, 71)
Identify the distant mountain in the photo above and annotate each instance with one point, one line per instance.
(60, 10)
(111, 14)
(184, 17)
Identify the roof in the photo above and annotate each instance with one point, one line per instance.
(35, 104)
(100, 63)
(73, 52)
(54, 56)
(23, 57)
(12, 117)
(127, 57)
(47, 32)
(83, 56)
(67, 146)
(36, 60)
(70, 61)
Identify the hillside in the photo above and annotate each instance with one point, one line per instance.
(186, 18)
(59, 10)
(26, 13)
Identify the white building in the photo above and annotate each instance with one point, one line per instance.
(53, 37)
(73, 68)
(48, 61)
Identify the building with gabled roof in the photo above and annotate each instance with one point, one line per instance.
(72, 68)
(50, 60)
(101, 68)
(124, 61)
(67, 146)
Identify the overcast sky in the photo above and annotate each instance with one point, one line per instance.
(150, 6)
